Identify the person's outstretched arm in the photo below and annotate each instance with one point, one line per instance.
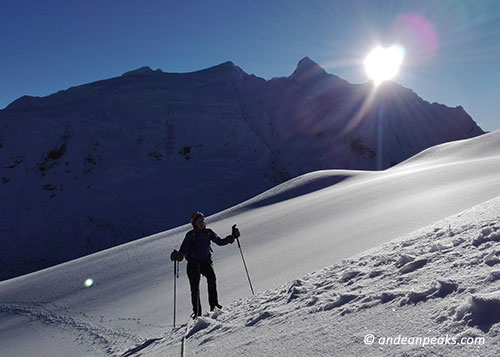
(228, 240)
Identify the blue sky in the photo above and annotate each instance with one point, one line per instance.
(452, 47)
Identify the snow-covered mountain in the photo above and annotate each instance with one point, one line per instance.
(335, 257)
(108, 162)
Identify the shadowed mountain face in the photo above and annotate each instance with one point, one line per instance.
(105, 163)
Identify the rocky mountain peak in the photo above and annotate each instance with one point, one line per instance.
(307, 69)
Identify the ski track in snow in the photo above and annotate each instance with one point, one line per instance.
(104, 340)
(447, 271)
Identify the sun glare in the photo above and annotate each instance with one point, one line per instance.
(382, 64)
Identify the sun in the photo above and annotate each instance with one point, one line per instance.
(382, 64)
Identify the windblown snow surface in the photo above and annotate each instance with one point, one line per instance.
(344, 263)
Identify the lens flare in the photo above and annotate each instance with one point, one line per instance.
(418, 35)
(382, 64)
(88, 283)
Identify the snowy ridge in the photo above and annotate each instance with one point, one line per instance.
(475, 148)
(444, 272)
(293, 188)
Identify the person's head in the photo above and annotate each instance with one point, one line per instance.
(198, 220)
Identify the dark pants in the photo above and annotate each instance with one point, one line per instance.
(194, 272)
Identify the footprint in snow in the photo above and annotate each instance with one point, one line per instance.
(349, 275)
(404, 259)
(481, 310)
(486, 234)
(439, 289)
(260, 317)
(342, 300)
(412, 266)
(492, 258)
(200, 324)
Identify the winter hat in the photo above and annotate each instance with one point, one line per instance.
(195, 216)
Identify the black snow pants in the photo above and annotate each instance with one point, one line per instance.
(194, 272)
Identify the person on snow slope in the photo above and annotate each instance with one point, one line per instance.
(197, 251)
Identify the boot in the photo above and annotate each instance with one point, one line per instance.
(212, 308)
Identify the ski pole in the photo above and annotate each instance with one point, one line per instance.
(176, 275)
(245, 264)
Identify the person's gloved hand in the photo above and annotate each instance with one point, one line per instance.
(235, 232)
(176, 256)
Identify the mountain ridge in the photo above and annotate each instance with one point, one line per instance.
(118, 159)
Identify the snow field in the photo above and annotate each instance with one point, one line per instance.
(385, 275)
(437, 272)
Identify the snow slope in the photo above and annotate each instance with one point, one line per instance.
(293, 230)
(434, 291)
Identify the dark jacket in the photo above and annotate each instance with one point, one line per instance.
(196, 244)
